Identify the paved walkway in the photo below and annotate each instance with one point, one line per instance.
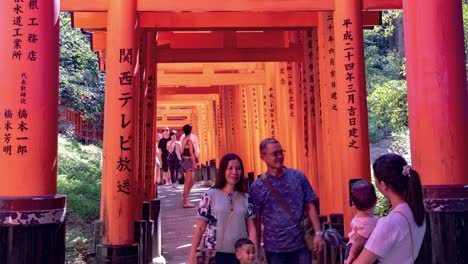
(177, 223)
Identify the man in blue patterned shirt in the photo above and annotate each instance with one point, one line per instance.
(282, 238)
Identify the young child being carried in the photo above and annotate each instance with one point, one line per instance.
(245, 251)
(364, 199)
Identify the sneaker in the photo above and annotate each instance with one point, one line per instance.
(174, 185)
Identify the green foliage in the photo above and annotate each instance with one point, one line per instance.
(79, 177)
(388, 107)
(81, 82)
(385, 68)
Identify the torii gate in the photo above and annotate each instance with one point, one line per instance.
(29, 58)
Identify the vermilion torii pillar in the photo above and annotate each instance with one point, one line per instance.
(32, 227)
(119, 192)
(351, 89)
(438, 119)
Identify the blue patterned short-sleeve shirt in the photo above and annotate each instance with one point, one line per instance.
(215, 208)
(280, 232)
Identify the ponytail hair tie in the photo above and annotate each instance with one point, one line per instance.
(406, 170)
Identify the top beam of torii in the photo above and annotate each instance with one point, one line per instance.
(227, 5)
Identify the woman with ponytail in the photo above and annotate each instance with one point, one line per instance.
(397, 238)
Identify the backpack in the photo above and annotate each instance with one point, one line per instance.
(172, 157)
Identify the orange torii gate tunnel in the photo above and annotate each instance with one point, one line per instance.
(239, 71)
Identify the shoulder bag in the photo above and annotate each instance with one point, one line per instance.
(305, 224)
(206, 255)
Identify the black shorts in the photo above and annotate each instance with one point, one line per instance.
(165, 164)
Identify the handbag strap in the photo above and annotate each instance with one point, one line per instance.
(277, 195)
(411, 235)
(230, 216)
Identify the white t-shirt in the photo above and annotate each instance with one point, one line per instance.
(362, 226)
(391, 240)
(175, 146)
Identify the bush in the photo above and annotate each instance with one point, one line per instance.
(79, 177)
(388, 107)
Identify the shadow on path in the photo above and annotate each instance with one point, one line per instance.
(177, 223)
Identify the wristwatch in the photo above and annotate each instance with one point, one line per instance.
(319, 233)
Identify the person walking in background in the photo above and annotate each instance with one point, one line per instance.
(225, 213)
(397, 238)
(174, 157)
(195, 141)
(157, 166)
(282, 237)
(162, 146)
(364, 199)
(189, 164)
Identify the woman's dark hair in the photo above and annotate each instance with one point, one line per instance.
(389, 169)
(363, 195)
(221, 176)
(173, 132)
(187, 129)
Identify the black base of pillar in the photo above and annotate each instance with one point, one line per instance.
(32, 244)
(126, 254)
(446, 237)
(32, 230)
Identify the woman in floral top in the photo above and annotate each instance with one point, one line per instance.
(219, 227)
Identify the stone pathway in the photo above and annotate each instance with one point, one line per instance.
(177, 223)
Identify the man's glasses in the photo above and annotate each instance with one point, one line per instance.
(276, 153)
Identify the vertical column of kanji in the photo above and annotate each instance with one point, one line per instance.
(352, 103)
(119, 164)
(149, 111)
(254, 129)
(31, 214)
(438, 120)
(211, 130)
(29, 96)
(282, 104)
(229, 118)
(222, 125)
(139, 134)
(244, 137)
(221, 128)
(310, 139)
(318, 107)
(262, 116)
(331, 201)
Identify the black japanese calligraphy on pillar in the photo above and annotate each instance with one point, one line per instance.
(231, 111)
(244, 107)
(291, 92)
(272, 110)
(255, 108)
(124, 164)
(331, 63)
(308, 86)
(353, 133)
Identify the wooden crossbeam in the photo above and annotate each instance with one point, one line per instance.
(175, 112)
(188, 90)
(96, 21)
(226, 5)
(166, 55)
(189, 99)
(199, 67)
(208, 79)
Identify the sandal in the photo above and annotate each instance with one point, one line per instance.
(188, 205)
